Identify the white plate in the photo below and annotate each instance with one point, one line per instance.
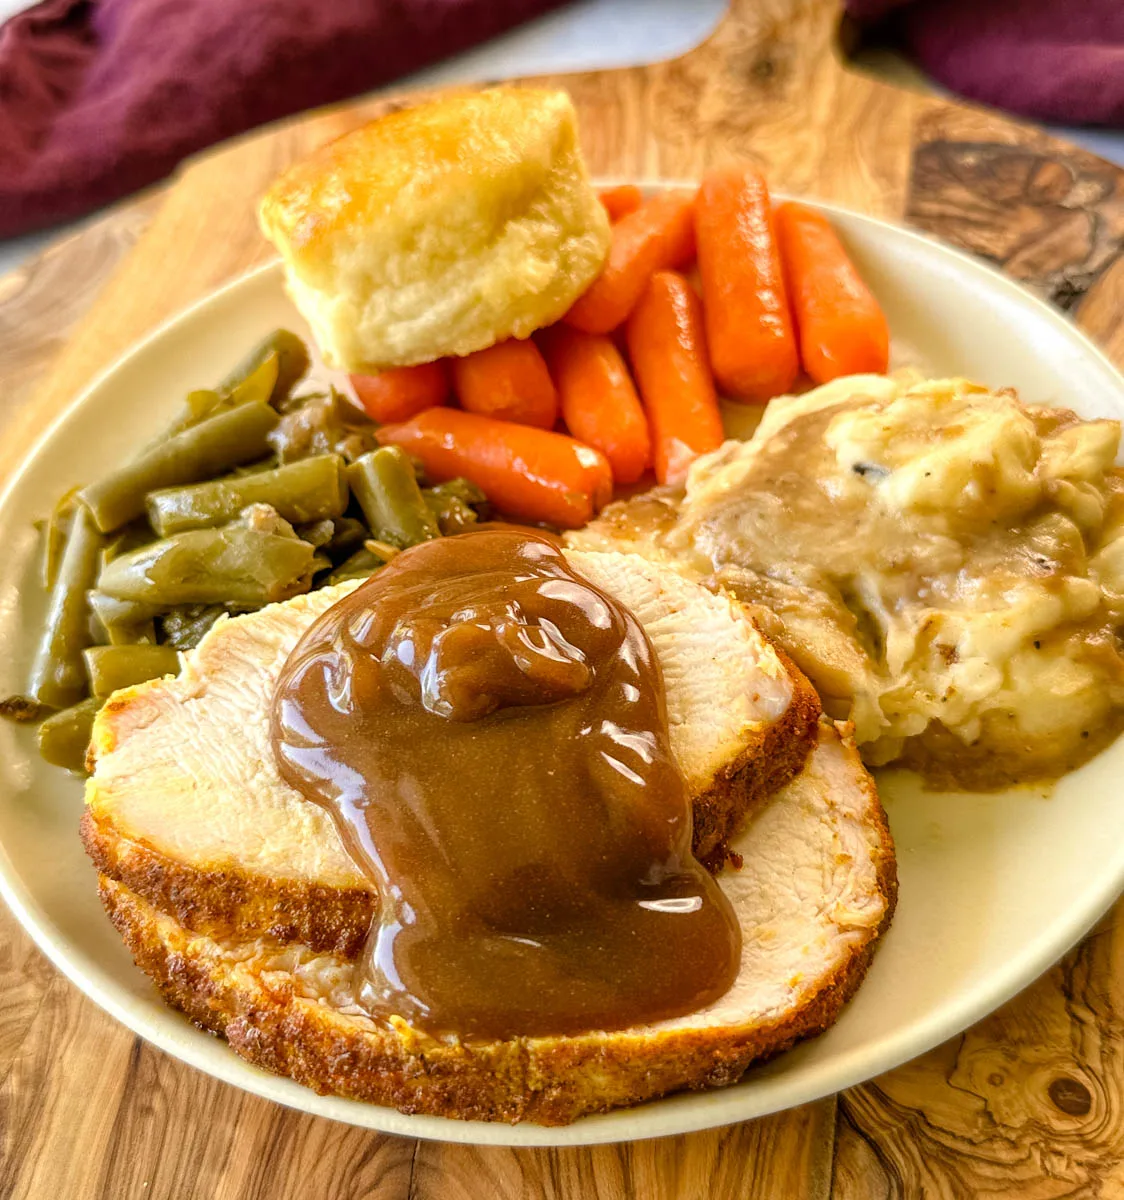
(993, 889)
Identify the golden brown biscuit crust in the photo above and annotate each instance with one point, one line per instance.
(439, 229)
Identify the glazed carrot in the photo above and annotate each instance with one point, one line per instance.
(508, 381)
(667, 347)
(840, 328)
(527, 473)
(748, 323)
(620, 201)
(658, 234)
(402, 392)
(598, 398)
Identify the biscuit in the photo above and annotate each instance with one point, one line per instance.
(440, 229)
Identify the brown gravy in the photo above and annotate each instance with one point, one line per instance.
(944, 563)
(488, 731)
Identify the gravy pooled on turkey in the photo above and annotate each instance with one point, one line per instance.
(488, 731)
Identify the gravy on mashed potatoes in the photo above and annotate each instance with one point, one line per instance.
(945, 563)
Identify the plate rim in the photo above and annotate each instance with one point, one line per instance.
(657, 1118)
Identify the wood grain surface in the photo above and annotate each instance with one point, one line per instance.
(1029, 1103)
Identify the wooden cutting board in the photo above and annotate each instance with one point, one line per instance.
(1027, 1103)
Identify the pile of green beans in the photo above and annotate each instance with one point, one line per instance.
(255, 493)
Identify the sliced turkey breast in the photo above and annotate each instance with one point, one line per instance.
(186, 808)
(816, 890)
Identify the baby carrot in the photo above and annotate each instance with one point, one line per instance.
(748, 323)
(658, 234)
(402, 392)
(508, 381)
(527, 473)
(599, 401)
(668, 352)
(620, 201)
(839, 325)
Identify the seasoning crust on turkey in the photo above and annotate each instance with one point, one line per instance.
(186, 806)
(236, 896)
(815, 893)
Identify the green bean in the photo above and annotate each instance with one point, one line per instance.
(318, 533)
(256, 388)
(452, 514)
(111, 668)
(23, 710)
(361, 564)
(308, 490)
(183, 628)
(291, 355)
(54, 532)
(199, 405)
(451, 503)
(99, 635)
(463, 489)
(213, 445)
(236, 565)
(58, 676)
(143, 634)
(390, 498)
(348, 535)
(125, 622)
(64, 737)
(254, 468)
(127, 539)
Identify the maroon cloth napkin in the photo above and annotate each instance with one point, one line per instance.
(101, 97)
(1056, 60)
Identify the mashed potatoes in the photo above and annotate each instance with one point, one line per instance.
(946, 564)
